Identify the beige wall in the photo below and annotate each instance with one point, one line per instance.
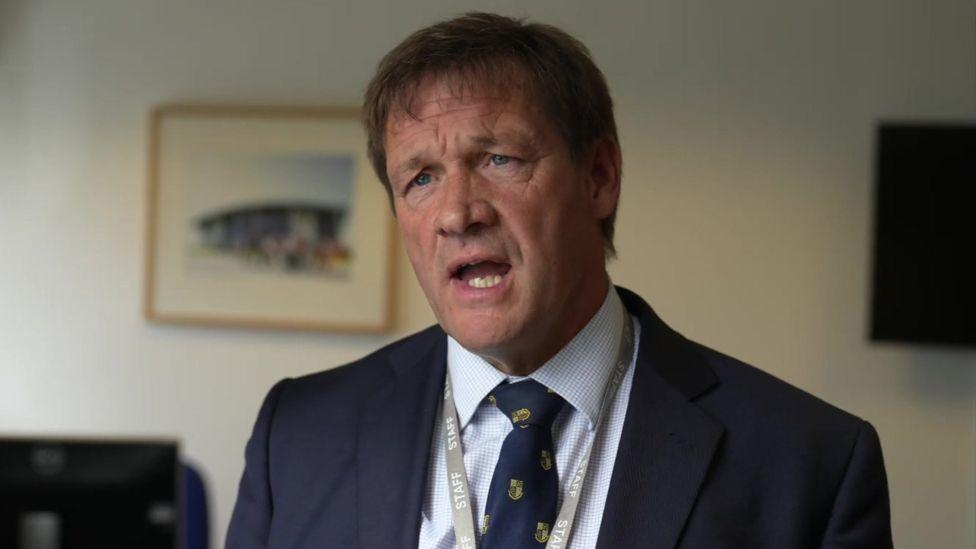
(745, 217)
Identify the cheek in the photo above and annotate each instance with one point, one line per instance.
(545, 221)
(554, 239)
(411, 236)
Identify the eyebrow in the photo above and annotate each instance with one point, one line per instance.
(520, 138)
(412, 163)
(484, 141)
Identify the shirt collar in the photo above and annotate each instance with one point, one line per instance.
(578, 372)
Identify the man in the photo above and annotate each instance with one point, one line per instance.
(548, 407)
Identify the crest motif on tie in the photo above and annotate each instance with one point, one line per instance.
(484, 525)
(491, 399)
(521, 414)
(542, 532)
(545, 460)
(515, 489)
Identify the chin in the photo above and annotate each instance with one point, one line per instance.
(479, 335)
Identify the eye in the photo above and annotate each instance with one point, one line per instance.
(422, 179)
(499, 159)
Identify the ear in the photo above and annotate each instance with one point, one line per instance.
(603, 163)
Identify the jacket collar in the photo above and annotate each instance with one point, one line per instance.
(667, 442)
(395, 432)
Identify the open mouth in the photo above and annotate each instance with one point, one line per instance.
(482, 273)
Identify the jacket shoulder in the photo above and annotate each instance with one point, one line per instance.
(782, 444)
(762, 408)
(346, 385)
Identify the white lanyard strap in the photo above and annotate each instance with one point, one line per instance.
(457, 478)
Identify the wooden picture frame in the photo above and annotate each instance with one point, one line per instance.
(266, 217)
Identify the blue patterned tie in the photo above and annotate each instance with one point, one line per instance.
(521, 504)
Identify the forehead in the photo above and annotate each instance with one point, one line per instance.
(434, 101)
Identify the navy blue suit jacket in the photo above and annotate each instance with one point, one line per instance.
(714, 453)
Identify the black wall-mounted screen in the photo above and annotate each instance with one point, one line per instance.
(925, 234)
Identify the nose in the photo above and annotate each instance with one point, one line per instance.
(465, 207)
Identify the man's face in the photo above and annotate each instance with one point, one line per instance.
(500, 224)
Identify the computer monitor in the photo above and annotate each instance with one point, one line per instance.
(924, 273)
(77, 494)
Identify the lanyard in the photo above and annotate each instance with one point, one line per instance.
(457, 477)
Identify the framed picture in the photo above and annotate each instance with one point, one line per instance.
(266, 217)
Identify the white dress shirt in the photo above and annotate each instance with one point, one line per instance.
(579, 373)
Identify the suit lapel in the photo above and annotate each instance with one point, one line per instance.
(667, 442)
(394, 444)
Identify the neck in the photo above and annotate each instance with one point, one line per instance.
(523, 358)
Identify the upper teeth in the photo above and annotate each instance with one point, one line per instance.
(485, 281)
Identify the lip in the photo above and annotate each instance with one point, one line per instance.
(453, 266)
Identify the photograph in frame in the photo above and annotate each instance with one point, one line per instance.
(266, 217)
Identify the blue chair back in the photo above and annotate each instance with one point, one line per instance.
(196, 524)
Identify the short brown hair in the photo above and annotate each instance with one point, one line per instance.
(483, 48)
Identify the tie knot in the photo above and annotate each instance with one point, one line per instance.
(527, 403)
